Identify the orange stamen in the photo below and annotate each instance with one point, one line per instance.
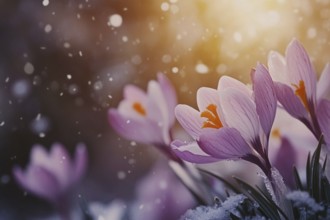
(137, 106)
(276, 133)
(212, 117)
(301, 93)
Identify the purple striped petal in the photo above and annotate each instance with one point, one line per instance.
(224, 143)
(38, 181)
(265, 97)
(169, 94)
(290, 101)
(189, 119)
(323, 116)
(300, 68)
(323, 85)
(191, 152)
(144, 131)
(240, 113)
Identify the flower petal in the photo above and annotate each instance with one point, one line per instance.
(38, 181)
(60, 165)
(323, 85)
(134, 93)
(285, 160)
(207, 96)
(290, 101)
(265, 97)
(191, 152)
(224, 143)
(170, 97)
(277, 67)
(240, 113)
(229, 82)
(144, 131)
(159, 109)
(189, 119)
(300, 68)
(80, 162)
(323, 116)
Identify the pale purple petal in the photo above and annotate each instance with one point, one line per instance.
(158, 107)
(226, 82)
(80, 162)
(38, 181)
(284, 161)
(169, 94)
(191, 152)
(265, 97)
(240, 113)
(323, 85)
(39, 156)
(277, 67)
(144, 131)
(60, 164)
(207, 96)
(189, 119)
(224, 143)
(290, 101)
(134, 93)
(126, 109)
(300, 68)
(323, 116)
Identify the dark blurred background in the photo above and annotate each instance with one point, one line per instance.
(63, 64)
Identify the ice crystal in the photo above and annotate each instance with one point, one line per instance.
(302, 200)
(216, 212)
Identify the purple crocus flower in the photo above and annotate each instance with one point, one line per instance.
(146, 117)
(161, 196)
(298, 91)
(51, 175)
(233, 122)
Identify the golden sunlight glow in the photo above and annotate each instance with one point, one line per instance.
(230, 36)
(212, 117)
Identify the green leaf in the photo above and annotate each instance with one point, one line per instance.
(297, 179)
(315, 172)
(267, 206)
(221, 179)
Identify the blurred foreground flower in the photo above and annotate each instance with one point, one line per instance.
(161, 196)
(147, 117)
(52, 175)
(299, 92)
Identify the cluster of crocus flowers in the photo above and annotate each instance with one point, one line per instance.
(147, 117)
(299, 92)
(52, 175)
(233, 122)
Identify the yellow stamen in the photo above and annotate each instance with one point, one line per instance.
(137, 106)
(301, 93)
(212, 117)
(276, 133)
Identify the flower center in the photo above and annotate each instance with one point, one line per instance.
(301, 93)
(212, 117)
(137, 106)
